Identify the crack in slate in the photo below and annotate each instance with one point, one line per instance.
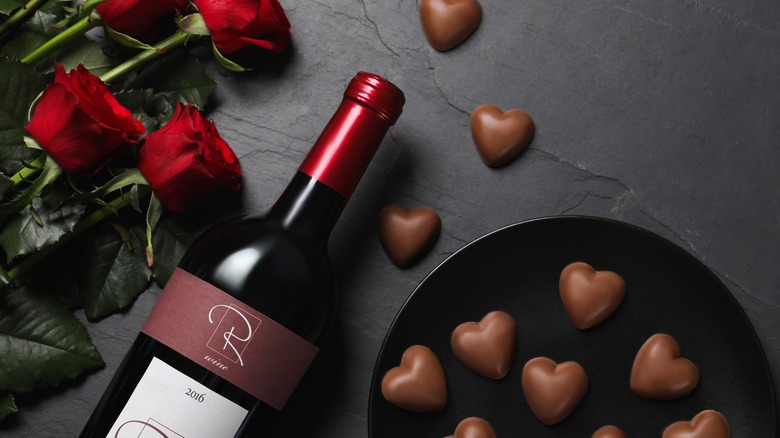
(445, 95)
(626, 197)
(378, 33)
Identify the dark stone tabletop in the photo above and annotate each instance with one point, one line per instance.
(662, 114)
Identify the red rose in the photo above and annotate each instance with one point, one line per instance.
(79, 123)
(239, 28)
(186, 159)
(141, 19)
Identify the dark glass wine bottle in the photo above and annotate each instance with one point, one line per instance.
(235, 327)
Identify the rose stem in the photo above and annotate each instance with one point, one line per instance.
(177, 39)
(20, 16)
(62, 38)
(93, 218)
(29, 170)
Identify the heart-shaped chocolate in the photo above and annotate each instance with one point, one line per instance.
(473, 427)
(500, 136)
(659, 372)
(609, 432)
(418, 383)
(406, 235)
(706, 424)
(447, 23)
(589, 296)
(488, 346)
(553, 390)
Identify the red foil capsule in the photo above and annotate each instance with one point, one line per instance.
(349, 141)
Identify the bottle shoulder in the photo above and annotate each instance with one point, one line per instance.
(257, 261)
(246, 233)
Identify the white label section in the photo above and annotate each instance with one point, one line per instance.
(169, 404)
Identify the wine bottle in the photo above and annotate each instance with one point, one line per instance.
(235, 328)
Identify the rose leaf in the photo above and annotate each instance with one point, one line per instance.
(177, 78)
(42, 224)
(7, 405)
(48, 175)
(169, 248)
(139, 101)
(22, 44)
(85, 52)
(8, 6)
(5, 185)
(19, 86)
(42, 342)
(41, 27)
(115, 271)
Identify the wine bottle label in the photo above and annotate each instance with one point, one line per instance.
(169, 404)
(229, 338)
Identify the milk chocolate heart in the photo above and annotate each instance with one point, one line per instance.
(473, 427)
(590, 296)
(407, 235)
(500, 136)
(706, 424)
(418, 383)
(659, 372)
(447, 23)
(488, 346)
(609, 432)
(553, 390)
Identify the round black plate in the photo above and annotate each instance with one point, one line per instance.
(516, 269)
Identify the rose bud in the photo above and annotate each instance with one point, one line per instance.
(140, 19)
(186, 159)
(80, 124)
(241, 29)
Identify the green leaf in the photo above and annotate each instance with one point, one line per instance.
(5, 185)
(40, 29)
(194, 24)
(7, 405)
(48, 175)
(125, 178)
(36, 30)
(224, 62)
(179, 77)
(19, 86)
(115, 272)
(153, 215)
(138, 101)
(137, 193)
(22, 44)
(42, 224)
(84, 9)
(86, 52)
(126, 40)
(42, 342)
(8, 6)
(169, 248)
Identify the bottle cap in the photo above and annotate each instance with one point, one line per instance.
(377, 93)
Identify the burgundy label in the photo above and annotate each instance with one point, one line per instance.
(229, 338)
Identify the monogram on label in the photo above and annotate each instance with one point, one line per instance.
(145, 429)
(234, 330)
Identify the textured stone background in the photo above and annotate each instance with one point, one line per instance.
(663, 113)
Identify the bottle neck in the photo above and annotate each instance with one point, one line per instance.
(346, 146)
(308, 208)
(312, 203)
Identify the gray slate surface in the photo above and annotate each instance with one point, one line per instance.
(663, 114)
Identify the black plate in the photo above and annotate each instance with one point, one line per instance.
(516, 269)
